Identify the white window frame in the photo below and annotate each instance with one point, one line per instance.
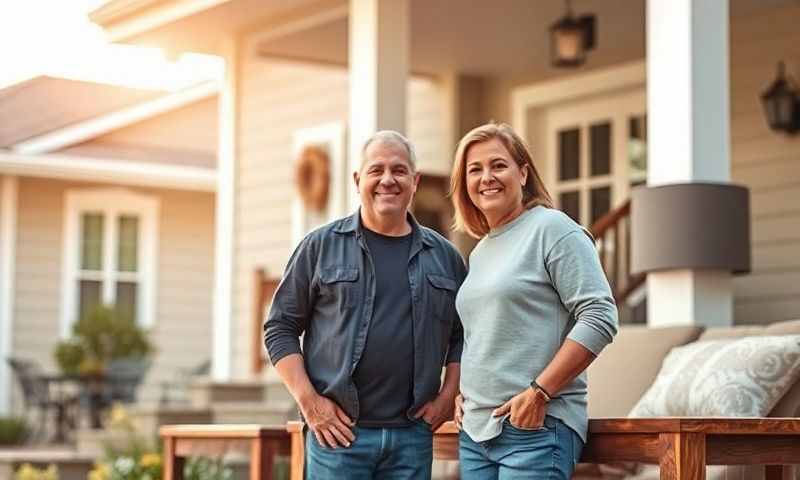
(112, 203)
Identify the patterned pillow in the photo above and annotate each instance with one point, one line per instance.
(742, 377)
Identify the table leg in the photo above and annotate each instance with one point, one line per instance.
(684, 456)
(298, 456)
(262, 459)
(173, 465)
(60, 435)
(778, 472)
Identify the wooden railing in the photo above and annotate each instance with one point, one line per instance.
(263, 288)
(612, 233)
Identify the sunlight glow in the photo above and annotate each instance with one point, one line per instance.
(55, 37)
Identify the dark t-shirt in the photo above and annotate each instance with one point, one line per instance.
(384, 376)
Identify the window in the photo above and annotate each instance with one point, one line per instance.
(109, 255)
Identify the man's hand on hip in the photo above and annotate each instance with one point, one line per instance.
(330, 424)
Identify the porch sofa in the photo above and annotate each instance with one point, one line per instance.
(627, 368)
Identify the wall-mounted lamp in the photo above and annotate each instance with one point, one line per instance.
(782, 103)
(570, 38)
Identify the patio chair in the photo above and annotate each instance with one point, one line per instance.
(37, 396)
(180, 384)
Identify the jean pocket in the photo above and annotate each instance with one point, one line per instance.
(545, 427)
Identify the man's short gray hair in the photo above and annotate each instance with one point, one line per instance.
(391, 136)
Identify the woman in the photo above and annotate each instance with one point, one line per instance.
(536, 309)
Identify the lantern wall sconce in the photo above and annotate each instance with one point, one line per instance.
(570, 38)
(781, 102)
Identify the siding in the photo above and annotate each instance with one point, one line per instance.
(281, 97)
(769, 164)
(185, 276)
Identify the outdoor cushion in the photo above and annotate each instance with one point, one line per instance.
(743, 377)
(627, 367)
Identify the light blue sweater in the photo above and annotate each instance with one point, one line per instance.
(532, 283)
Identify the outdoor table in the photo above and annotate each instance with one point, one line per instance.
(93, 385)
(262, 443)
(682, 447)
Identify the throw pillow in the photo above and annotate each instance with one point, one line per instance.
(742, 377)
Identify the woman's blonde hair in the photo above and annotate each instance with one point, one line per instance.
(467, 216)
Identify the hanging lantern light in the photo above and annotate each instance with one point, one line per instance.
(781, 103)
(571, 38)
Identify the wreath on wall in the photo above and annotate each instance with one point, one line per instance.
(312, 177)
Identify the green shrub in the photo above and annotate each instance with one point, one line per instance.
(102, 335)
(12, 430)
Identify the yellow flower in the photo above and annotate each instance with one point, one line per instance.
(101, 471)
(29, 472)
(150, 460)
(119, 418)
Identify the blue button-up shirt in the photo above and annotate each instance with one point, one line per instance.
(327, 294)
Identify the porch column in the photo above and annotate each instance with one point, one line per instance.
(221, 338)
(379, 62)
(8, 234)
(688, 124)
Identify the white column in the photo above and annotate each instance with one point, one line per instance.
(689, 140)
(8, 235)
(225, 209)
(379, 63)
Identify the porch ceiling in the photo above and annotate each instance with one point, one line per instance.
(502, 37)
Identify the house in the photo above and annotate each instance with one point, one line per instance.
(106, 195)
(669, 95)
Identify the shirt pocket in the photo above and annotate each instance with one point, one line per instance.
(442, 296)
(338, 285)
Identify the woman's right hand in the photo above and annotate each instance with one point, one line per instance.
(458, 412)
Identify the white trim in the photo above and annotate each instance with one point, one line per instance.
(336, 10)
(540, 95)
(72, 167)
(224, 254)
(8, 237)
(80, 132)
(134, 23)
(112, 202)
(332, 137)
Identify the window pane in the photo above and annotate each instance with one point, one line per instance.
(127, 259)
(92, 241)
(126, 299)
(88, 296)
(570, 204)
(637, 148)
(569, 148)
(600, 137)
(601, 202)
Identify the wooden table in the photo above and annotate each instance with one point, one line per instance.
(261, 443)
(682, 447)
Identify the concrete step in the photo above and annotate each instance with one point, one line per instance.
(263, 413)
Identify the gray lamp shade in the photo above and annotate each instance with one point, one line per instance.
(690, 226)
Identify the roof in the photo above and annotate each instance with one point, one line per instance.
(44, 104)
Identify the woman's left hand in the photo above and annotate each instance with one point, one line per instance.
(527, 409)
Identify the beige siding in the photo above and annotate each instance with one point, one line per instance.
(185, 275)
(278, 99)
(769, 164)
(186, 136)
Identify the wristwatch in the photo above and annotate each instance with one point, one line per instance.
(547, 396)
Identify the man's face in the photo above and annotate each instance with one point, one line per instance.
(386, 182)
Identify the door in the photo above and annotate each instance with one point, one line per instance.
(595, 151)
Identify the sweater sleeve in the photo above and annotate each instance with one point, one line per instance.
(578, 277)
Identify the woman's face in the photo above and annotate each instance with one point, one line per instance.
(494, 181)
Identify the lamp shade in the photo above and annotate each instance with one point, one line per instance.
(690, 226)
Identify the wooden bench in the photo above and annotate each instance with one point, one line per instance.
(682, 447)
(261, 443)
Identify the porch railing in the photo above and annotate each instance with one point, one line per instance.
(612, 235)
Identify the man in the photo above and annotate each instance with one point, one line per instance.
(374, 296)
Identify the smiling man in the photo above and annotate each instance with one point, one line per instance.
(374, 296)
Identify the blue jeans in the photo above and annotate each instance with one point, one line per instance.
(548, 453)
(376, 453)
